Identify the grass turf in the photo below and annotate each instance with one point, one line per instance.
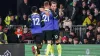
(69, 50)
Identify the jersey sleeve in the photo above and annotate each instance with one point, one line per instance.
(42, 22)
(30, 23)
(56, 15)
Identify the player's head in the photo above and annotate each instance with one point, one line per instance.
(34, 9)
(53, 5)
(25, 1)
(46, 4)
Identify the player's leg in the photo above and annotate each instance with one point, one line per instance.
(49, 44)
(39, 40)
(52, 46)
(52, 50)
(34, 48)
(59, 48)
(44, 37)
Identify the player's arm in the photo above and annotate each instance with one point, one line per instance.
(30, 25)
(41, 9)
(47, 12)
(55, 14)
(42, 21)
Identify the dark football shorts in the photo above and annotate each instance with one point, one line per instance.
(47, 35)
(56, 34)
(38, 38)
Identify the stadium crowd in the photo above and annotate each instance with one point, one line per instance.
(15, 28)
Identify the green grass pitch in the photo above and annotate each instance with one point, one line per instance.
(69, 50)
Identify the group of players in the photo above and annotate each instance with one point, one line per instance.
(45, 25)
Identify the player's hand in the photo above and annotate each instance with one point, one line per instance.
(41, 9)
(47, 13)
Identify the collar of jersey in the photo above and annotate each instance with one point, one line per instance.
(35, 13)
(46, 9)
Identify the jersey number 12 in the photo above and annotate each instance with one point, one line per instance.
(36, 21)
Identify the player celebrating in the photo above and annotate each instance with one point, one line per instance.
(56, 28)
(36, 30)
(48, 28)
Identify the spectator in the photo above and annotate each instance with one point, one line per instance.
(61, 16)
(73, 12)
(89, 38)
(19, 33)
(66, 33)
(98, 38)
(61, 12)
(64, 40)
(98, 29)
(84, 5)
(24, 8)
(92, 6)
(90, 28)
(5, 30)
(88, 12)
(75, 41)
(97, 16)
(12, 37)
(26, 35)
(24, 20)
(82, 16)
(90, 20)
(3, 37)
(67, 22)
(10, 20)
(72, 36)
(61, 34)
(61, 25)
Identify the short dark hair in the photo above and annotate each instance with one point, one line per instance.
(53, 2)
(34, 9)
(46, 3)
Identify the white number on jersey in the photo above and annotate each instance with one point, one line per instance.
(46, 18)
(36, 21)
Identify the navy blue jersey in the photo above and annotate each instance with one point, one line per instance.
(36, 23)
(56, 20)
(48, 21)
(56, 24)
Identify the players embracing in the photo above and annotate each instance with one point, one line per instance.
(50, 30)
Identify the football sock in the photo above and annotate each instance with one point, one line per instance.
(59, 49)
(48, 49)
(38, 54)
(52, 50)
